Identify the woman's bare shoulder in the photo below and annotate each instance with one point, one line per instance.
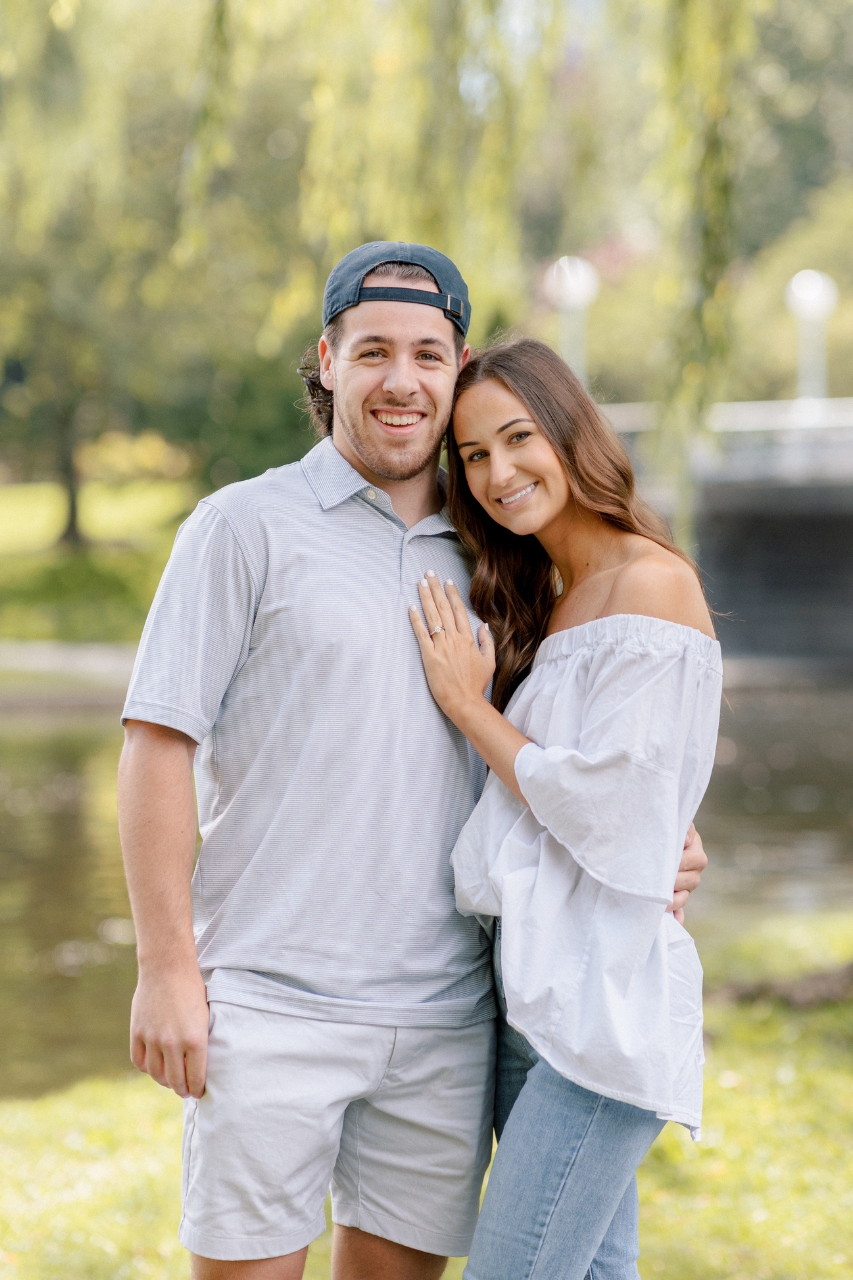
(659, 584)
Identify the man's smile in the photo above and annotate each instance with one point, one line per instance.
(399, 422)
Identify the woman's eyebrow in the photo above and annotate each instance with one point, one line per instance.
(467, 443)
(512, 423)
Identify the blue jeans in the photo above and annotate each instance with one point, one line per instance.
(561, 1203)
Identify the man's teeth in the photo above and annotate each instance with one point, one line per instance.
(516, 497)
(399, 419)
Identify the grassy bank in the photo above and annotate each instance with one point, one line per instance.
(89, 1178)
(100, 591)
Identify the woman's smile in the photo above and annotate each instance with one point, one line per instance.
(517, 497)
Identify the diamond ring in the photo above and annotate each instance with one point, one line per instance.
(436, 630)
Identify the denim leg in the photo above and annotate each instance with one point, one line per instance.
(515, 1056)
(616, 1256)
(565, 1162)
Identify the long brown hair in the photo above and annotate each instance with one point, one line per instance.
(513, 587)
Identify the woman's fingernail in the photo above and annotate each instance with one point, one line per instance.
(430, 573)
(424, 582)
(448, 582)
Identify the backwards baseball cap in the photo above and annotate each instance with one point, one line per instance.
(345, 286)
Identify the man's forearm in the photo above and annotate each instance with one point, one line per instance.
(157, 825)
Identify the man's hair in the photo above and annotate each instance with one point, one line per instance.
(319, 401)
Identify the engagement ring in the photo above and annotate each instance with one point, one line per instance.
(436, 630)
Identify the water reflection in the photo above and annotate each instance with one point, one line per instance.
(777, 821)
(778, 817)
(66, 971)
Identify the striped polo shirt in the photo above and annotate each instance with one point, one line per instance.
(331, 789)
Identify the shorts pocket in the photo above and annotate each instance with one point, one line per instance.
(187, 1146)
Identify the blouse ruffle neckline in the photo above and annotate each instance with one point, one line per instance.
(620, 628)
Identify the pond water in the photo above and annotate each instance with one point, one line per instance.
(777, 822)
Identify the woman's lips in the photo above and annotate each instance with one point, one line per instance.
(512, 501)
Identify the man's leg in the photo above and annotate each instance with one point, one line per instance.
(357, 1255)
(406, 1186)
(261, 1144)
(289, 1267)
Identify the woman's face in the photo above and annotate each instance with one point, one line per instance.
(511, 467)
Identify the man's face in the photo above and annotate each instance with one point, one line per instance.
(393, 374)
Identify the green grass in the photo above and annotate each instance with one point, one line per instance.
(101, 591)
(89, 1177)
(32, 516)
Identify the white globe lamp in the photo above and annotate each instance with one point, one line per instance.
(571, 285)
(812, 296)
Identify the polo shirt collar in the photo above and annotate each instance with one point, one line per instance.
(334, 481)
(330, 475)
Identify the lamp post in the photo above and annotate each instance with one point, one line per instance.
(571, 286)
(812, 296)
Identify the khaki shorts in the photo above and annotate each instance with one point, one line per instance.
(397, 1120)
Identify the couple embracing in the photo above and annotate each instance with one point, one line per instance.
(382, 952)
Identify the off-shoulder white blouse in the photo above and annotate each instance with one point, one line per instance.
(623, 715)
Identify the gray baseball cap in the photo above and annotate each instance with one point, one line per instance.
(345, 287)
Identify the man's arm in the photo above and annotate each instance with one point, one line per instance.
(157, 825)
(694, 860)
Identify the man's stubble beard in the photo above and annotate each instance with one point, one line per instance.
(401, 463)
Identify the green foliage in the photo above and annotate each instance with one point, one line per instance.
(797, 136)
(705, 44)
(175, 183)
(168, 210)
(764, 358)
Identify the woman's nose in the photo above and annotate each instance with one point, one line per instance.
(502, 470)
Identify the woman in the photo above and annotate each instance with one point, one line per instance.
(609, 676)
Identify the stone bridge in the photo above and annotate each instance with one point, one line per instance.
(774, 523)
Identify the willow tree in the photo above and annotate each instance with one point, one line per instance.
(418, 115)
(71, 248)
(702, 46)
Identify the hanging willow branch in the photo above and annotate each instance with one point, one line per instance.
(210, 147)
(705, 42)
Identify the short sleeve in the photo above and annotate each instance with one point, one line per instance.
(198, 630)
(615, 802)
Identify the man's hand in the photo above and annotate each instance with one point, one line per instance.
(694, 860)
(168, 1028)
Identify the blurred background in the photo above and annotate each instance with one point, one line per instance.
(661, 189)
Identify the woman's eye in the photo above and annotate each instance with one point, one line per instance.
(477, 455)
(519, 435)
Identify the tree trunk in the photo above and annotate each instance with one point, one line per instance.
(71, 535)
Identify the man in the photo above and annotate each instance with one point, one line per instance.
(332, 1019)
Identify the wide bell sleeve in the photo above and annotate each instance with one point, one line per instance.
(616, 801)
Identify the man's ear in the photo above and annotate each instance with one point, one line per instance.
(327, 372)
(465, 357)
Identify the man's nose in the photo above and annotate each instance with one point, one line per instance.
(401, 380)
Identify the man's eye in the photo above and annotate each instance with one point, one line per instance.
(369, 354)
(428, 355)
